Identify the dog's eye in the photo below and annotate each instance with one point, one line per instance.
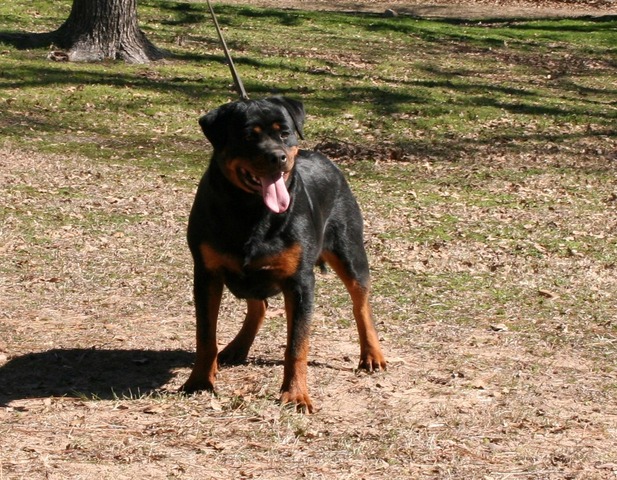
(285, 135)
(251, 134)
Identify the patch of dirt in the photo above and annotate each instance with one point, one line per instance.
(97, 332)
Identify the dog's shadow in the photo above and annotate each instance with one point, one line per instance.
(89, 373)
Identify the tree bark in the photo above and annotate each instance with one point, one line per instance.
(105, 29)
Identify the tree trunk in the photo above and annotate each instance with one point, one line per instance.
(105, 29)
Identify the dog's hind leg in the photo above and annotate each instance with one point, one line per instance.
(238, 349)
(354, 272)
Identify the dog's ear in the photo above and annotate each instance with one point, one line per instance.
(295, 110)
(214, 126)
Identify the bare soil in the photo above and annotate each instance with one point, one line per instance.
(97, 333)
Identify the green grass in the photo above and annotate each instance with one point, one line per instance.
(435, 87)
(506, 127)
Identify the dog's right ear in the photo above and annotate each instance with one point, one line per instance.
(295, 110)
(214, 126)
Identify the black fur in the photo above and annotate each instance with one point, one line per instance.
(239, 241)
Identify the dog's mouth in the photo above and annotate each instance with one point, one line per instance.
(272, 188)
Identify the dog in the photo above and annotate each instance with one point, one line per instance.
(264, 215)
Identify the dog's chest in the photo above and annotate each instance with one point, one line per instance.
(284, 262)
(261, 270)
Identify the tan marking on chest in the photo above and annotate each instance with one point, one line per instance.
(215, 260)
(282, 265)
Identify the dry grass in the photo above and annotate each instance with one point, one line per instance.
(95, 294)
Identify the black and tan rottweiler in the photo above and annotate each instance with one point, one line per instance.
(265, 214)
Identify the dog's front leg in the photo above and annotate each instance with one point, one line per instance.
(299, 308)
(208, 290)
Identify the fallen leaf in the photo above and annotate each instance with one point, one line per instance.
(547, 293)
(215, 404)
(479, 384)
(499, 327)
(154, 409)
(275, 313)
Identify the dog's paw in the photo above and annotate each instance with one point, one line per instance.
(193, 385)
(231, 355)
(297, 399)
(372, 362)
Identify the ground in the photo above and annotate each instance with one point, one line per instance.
(455, 8)
(484, 399)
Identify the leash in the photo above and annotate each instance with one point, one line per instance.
(234, 74)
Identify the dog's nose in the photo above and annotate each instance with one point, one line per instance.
(279, 159)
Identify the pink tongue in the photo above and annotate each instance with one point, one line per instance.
(276, 196)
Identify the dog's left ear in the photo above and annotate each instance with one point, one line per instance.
(295, 110)
(214, 125)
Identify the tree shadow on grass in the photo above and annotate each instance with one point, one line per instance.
(91, 373)
(27, 40)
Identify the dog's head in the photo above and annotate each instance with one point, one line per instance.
(255, 144)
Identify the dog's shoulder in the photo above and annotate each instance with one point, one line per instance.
(320, 174)
(323, 181)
